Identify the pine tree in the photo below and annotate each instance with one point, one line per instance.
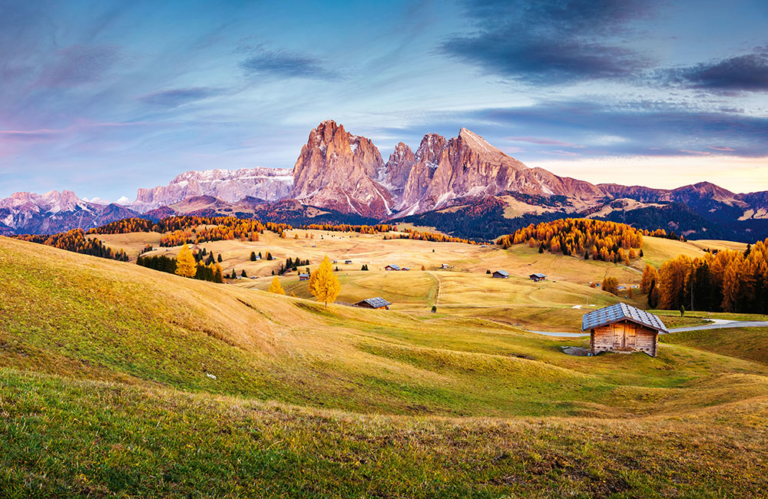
(243, 274)
(185, 263)
(253, 256)
(275, 287)
(323, 284)
(218, 259)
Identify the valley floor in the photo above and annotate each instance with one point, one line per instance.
(116, 380)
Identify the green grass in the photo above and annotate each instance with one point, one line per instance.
(115, 379)
(747, 343)
(65, 438)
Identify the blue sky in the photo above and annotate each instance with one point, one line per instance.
(103, 97)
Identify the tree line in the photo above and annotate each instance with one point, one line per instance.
(75, 241)
(596, 239)
(434, 237)
(722, 281)
(198, 265)
(362, 229)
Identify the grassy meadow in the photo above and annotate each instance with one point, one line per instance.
(120, 380)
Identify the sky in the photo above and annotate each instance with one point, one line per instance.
(103, 97)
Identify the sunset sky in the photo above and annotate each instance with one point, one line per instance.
(103, 97)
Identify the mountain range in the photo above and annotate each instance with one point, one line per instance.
(452, 183)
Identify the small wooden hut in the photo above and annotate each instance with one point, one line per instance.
(623, 328)
(501, 274)
(375, 303)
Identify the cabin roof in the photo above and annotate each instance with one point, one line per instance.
(619, 312)
(539, 275)
(377, 302)
(396, 267)
(502, 272)
(303, 275)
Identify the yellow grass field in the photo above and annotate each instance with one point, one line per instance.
(463, 289)
(121, 380)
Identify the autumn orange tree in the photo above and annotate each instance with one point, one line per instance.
(275, 287)
(323, 284)
(596, 239)
(650, 276)
(611, 285)
(727, 281)
(76, 241)
(185, 263)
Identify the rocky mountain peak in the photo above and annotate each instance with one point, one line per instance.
(338, 170)
(398, 168)
(430, 148)
(270, 184)
(478, 144)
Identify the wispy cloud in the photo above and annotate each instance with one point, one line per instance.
(179, 96)
(542, 141)
(287, 65)
(79, 64)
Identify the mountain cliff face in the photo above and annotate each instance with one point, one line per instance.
(398, 169)
(467, 168)
(228, 185)
(338, 170)
(346, 175)
(25, 212)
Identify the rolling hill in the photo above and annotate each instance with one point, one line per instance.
(118, 379)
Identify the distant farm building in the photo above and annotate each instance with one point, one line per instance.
(537, 277)
(303, 277)
(623, 328)
(501, 274)
(392, 267)
(445, 266)
(347, 261)
(375, 303)
(406, 268)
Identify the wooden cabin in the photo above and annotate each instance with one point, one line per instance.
(303, 277)
(392, 267)
(623, 328)
(377, 303)
(537, 277)
(501, 274)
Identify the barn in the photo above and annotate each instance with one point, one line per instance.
(376, 303)
(394, 268)
(501, 274)
(623, 328)
(537, 277)
(303, 277)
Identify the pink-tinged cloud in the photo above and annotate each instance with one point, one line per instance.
(562, 153)
(721, 148)
(698, 153)
(544, 141)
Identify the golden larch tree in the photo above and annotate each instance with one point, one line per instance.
(323, 284)
(611, 285)
(275, 287)
(185, 262)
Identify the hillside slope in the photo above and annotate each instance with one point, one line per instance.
(115, 379)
